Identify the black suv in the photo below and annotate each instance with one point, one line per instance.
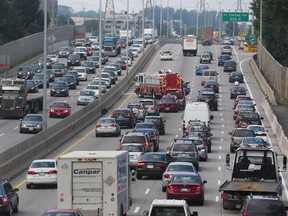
(9, 199)
(138, 137)
(124, 117)
(230, 66)
(59, 88)
(210, 97)
(263, 205)
(71, 80)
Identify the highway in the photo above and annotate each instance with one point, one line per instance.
(34, 202)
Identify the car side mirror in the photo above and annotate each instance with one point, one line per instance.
(194, 213)
(229, 133)
(164, 120)
(211, 117)
(169, 148)
(204, 181)
(145, 213)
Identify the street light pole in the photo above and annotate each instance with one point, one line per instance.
(181, 18)
(143, 18)
(153, 17)
(100, 50)
(127, 29)
(197, 20)
(45, 68)
(260, 36)
(168, 19)
(161, 19)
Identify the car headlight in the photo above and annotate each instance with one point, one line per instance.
(23, 125)
(53, 90)
(68, 60)
(63, 89)
(39, 126)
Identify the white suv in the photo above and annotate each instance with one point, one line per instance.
(226, 49)
(169, 207)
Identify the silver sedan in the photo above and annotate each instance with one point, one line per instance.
(107, 126)
(173, 168)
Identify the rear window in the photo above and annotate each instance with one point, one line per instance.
(183, 168)
(183, 147)
(133, 139)
(121, 113)
(147, 103)
(154, 157)
(261, 207)
(209, 73)
(167, 210)
(59, 214)
(132, 148)
(249, 115)
(243, 133)
(152, 120)
(43, 164)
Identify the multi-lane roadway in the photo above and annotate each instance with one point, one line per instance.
(34, 202)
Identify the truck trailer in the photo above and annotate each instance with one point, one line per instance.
(15, 101)
(95, 182)
(189, 45)
(255, 171)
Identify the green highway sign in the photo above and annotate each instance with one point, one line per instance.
(235, 17)
(252, 38)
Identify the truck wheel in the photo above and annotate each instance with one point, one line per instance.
(164, 189)
(10, 210)
(232, 149)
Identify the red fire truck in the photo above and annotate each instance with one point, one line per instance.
(157, 84)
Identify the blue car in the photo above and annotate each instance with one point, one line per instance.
(200, 68)
(222, 59)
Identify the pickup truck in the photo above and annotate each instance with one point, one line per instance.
(255, 171)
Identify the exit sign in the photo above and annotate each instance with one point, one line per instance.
(235, 17)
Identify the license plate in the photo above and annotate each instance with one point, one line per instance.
(30, 129)
(167, 109)
(41, 174)
(150, 166)
(184, 190)
(58, 113)
(182, 155)
(238, 92)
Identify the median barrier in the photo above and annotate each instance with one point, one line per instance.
(18, 157)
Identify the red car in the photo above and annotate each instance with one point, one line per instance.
(169, 103)
(70, 212)
(89, 51)
(60, 109)
(122, 45)
(122, 64)
(187, 186)
(212, 84)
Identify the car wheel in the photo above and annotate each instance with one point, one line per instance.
(164, 189)
(232, 149)
(138, 176)
(10, 211)
(231, 97)
(97, 135)
(201, 202)
(16, 208)
(28, 186)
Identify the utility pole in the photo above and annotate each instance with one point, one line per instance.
(161, 19)
(109, 9)
(180, 18)
(168, 21)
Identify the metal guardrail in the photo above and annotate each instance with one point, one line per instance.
(20, 156)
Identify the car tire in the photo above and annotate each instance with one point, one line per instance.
(231, 97)
(209, 149)
(16, 208)
(201, 202)
(97, 135)
(28, 186)
(164, 189)
(138, 176)
(10, 210)
(232, 150)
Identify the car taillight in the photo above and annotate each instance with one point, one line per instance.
(98, 125)
(259, 123)
(197, 188)
(142, 154)
(232, 139)
(4, 200)
(236, 111)
(120, 145)
(30, 172)
(173, 187)
(237, 122)
(166, 176)
(263, 134)
(244, 214)
(208, 139)
(224, 196)
(196, 153)
(140, 164)
(153, 108)
(52, 172)
(153, 138)
(113, 125)
(145, 144)
(203, 147)
(160, 165)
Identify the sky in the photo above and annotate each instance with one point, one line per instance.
(136, 5)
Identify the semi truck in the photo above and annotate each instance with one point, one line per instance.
(110, 46)
(95, 182)
(15, 102)
(254, 171)
(207, 33)
(189, 45)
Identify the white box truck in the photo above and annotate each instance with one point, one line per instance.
(95, 182)
(189, 45)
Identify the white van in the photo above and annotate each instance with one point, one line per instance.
(197, 111)
(209, 74)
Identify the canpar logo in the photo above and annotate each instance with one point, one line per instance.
(88, 171)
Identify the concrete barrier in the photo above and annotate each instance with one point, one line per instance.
(267, 90)
(20, 156)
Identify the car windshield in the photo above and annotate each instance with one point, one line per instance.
(133, 139)
(86, 93)
(33, 118)
(211, 82)
(181, 168)
(157, 120)
(243, 133)
(253, 140)
(154, 157)
(147, 102)
(73, 57)
(132, 148)
(167, 210)
(140, 125)
(64, 49)
(59, 66)
(88, 64)
(224, 57)
(23, 69)
(238, 88)
(60, 105)
(38, 76)
(257, 128)
(43, 164)
(94, 87)
(269, 207)
(59, 84)
(59, 214)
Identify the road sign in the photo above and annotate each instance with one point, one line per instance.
(235, 17)
(252, 38)
(51, 38)
(239, 34)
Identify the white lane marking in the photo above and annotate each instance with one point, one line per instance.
(147, 191)
(2, 134)
(220, 147)
(223, 125)
(16, 128)
(220, 108)
(222, 132)
(136, 209)
(222, 119)
(221, 139)
(219, 182)
(180, 129)
(176, 135)
(219, 169)
(217, 199)
(221, 114)
(220, 157)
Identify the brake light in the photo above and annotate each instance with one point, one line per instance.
(166, 176)
(52, 172)
(224, 196)
(160, 165)
(173, 188)
(121, 144)
(146, 144)
(196, 153)
(153, 108)
(197, 188)
(113, 125)
(232, 139)
(203, 147)
(259, 123)
(236, 111)
(244, 214)
(263, 134)
(98, 125)
(30, 172)
(4, 200)
(140, 164)
(208, 139)
(153, 138)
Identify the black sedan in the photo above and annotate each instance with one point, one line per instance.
(153, 164)
(211, 98)
(237, 90)
(90, 67)
(59, 88)
(32, 86)
(236, 76)
(71, 80)
(230, 66)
